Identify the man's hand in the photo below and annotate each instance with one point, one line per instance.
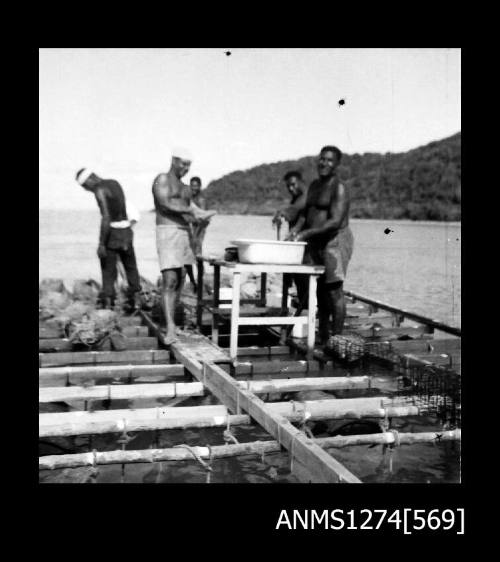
(101, 251)
(304, 235)
(278, 218)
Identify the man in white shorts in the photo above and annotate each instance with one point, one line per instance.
(174, 213)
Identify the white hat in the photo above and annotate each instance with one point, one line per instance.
(182, 153)
(84, 175)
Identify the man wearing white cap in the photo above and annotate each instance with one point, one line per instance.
(116, 236)
(174, 214)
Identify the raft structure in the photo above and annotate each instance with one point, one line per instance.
(388, 366)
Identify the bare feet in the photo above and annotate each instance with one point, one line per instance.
(169, 338)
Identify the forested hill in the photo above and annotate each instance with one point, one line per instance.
(421, 184)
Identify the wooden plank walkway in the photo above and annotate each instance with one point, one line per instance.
(319, 466)
(107, 375)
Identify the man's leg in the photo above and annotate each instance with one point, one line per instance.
(337, 306)
(130, 264)
(109, 272)
(170, 291)
(189, 271)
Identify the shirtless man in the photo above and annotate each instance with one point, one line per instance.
(295, 185)
(199, 227)
(292, 213)
(324, 225)
(174, 214)
(115, 239)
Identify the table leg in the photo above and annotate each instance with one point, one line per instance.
(199, 295)
(235, 315)
(311, 315)
(284, 306)
(263, 288)
(215, 315)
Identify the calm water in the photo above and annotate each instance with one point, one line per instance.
(417, 266)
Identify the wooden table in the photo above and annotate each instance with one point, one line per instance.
(236, 269)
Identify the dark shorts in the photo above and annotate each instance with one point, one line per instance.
(335, 255)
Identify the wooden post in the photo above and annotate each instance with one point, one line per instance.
(263, 288)
(199, 302)
(311, 316)
(235, 316)
(284, 305)
(215, 317)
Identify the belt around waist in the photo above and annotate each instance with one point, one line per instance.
(120, 224)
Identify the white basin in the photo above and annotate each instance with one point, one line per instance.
(270, 251)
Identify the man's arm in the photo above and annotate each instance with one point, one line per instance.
(105, 222)
(202, 204)
(292, 211)
(165, 201)
(338, 212)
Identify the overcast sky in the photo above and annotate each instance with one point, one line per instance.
(121, 110)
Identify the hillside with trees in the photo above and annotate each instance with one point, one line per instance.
(421, 184)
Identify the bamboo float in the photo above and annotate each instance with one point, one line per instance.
(120, 392)
(66, 376)
(176, 454)
(171, 390)
(146, 419)
(119, 425)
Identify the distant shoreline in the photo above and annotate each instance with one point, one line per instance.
(356, 220)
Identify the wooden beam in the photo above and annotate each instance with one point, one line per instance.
(436, 324)
(130, 320)
(133, 343)
(135, 331)
(65, 376)
(263, 350)
(96, 357)
(427, 346)
(248, 311)
(272, 367)
(272, 320)
(320, 466)
(365, 321)
(177, 454)
(154, 329)
(396, 332)
(442, 360)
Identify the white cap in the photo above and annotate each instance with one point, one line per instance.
(84, 175)
(182, 153)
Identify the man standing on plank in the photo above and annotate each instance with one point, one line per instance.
(115, 239)
(174, 215)
(324, 225)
